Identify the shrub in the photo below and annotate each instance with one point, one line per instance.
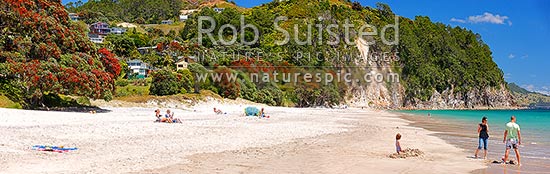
(186, 81)
(228, 88)
(165, 82)
(122, 82)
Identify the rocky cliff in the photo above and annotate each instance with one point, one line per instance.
(391, 94)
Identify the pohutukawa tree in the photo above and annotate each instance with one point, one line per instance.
(42, 51)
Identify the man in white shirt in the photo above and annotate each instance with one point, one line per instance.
(512, 138)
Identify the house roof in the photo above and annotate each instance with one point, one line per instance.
(186, 12)
(182, 61)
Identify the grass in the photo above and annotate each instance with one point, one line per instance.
(177, 26)
(132, 90)
(5, 102)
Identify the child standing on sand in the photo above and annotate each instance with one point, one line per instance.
(397, 144)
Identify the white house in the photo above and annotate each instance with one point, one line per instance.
(96, 38)
(181, 65)
(118, 30)
(139, 67)
(167, 22)
(74, 16)
(219, 10)
(184, 14)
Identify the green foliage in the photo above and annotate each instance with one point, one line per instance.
(226, 82)
(121, 44)
(56, 100)
(139, 11)
(122, 82)
(132, 90)
(202, 80)
(269, 94)
(432, 56)
(5, 102)
(309, 96)
(42, 51)
(439, 57)
(186, 81)
(165, 82)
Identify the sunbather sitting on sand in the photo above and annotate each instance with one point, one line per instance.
(170, 117)
(397, 144)
(404, 153)
(157, 114)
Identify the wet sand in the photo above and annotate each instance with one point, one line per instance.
(363, 149)
(464, 136)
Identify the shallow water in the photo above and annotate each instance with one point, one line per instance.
(459, 127)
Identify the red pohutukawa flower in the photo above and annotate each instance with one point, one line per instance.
(45, 53)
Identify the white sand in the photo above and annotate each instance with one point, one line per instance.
(127, 140)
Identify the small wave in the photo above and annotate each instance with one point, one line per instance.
(536, 157)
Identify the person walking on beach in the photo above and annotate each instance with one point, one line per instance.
(483, 131)
(512, 138)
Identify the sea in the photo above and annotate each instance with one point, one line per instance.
(459, 127)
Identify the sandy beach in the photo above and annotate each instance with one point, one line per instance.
(293, 140)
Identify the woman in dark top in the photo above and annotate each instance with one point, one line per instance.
(483, 130)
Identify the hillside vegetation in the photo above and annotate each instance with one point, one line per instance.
(430, 58)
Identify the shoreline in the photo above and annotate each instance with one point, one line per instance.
(454, 132)
(363, 148)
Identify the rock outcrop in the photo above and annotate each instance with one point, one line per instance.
(390, 94)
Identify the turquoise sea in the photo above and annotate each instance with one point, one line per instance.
(535, 132)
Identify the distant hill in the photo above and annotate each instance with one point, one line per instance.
(525, 98)
(517, 89)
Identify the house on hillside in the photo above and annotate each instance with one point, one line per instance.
(219, 10)
(168, 22)
(96, 38)
(146, 50)
(74, 16)
(184, 61)
(100, 28)
(181, 65)
(184, 14)
(139, 68)
(118, 30)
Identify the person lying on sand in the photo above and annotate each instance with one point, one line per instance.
(262, 114)
(218, 111)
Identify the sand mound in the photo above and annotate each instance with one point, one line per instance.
(407, 153)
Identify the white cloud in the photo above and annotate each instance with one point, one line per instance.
(543, 89)
(488, 18)
(525, 56)
(528, 87)
(458, 20)
(485, 18)
(508, 76)
(511, 56)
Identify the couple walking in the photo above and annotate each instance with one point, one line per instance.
(512, 138)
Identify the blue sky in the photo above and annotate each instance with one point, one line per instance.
(516, 31)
